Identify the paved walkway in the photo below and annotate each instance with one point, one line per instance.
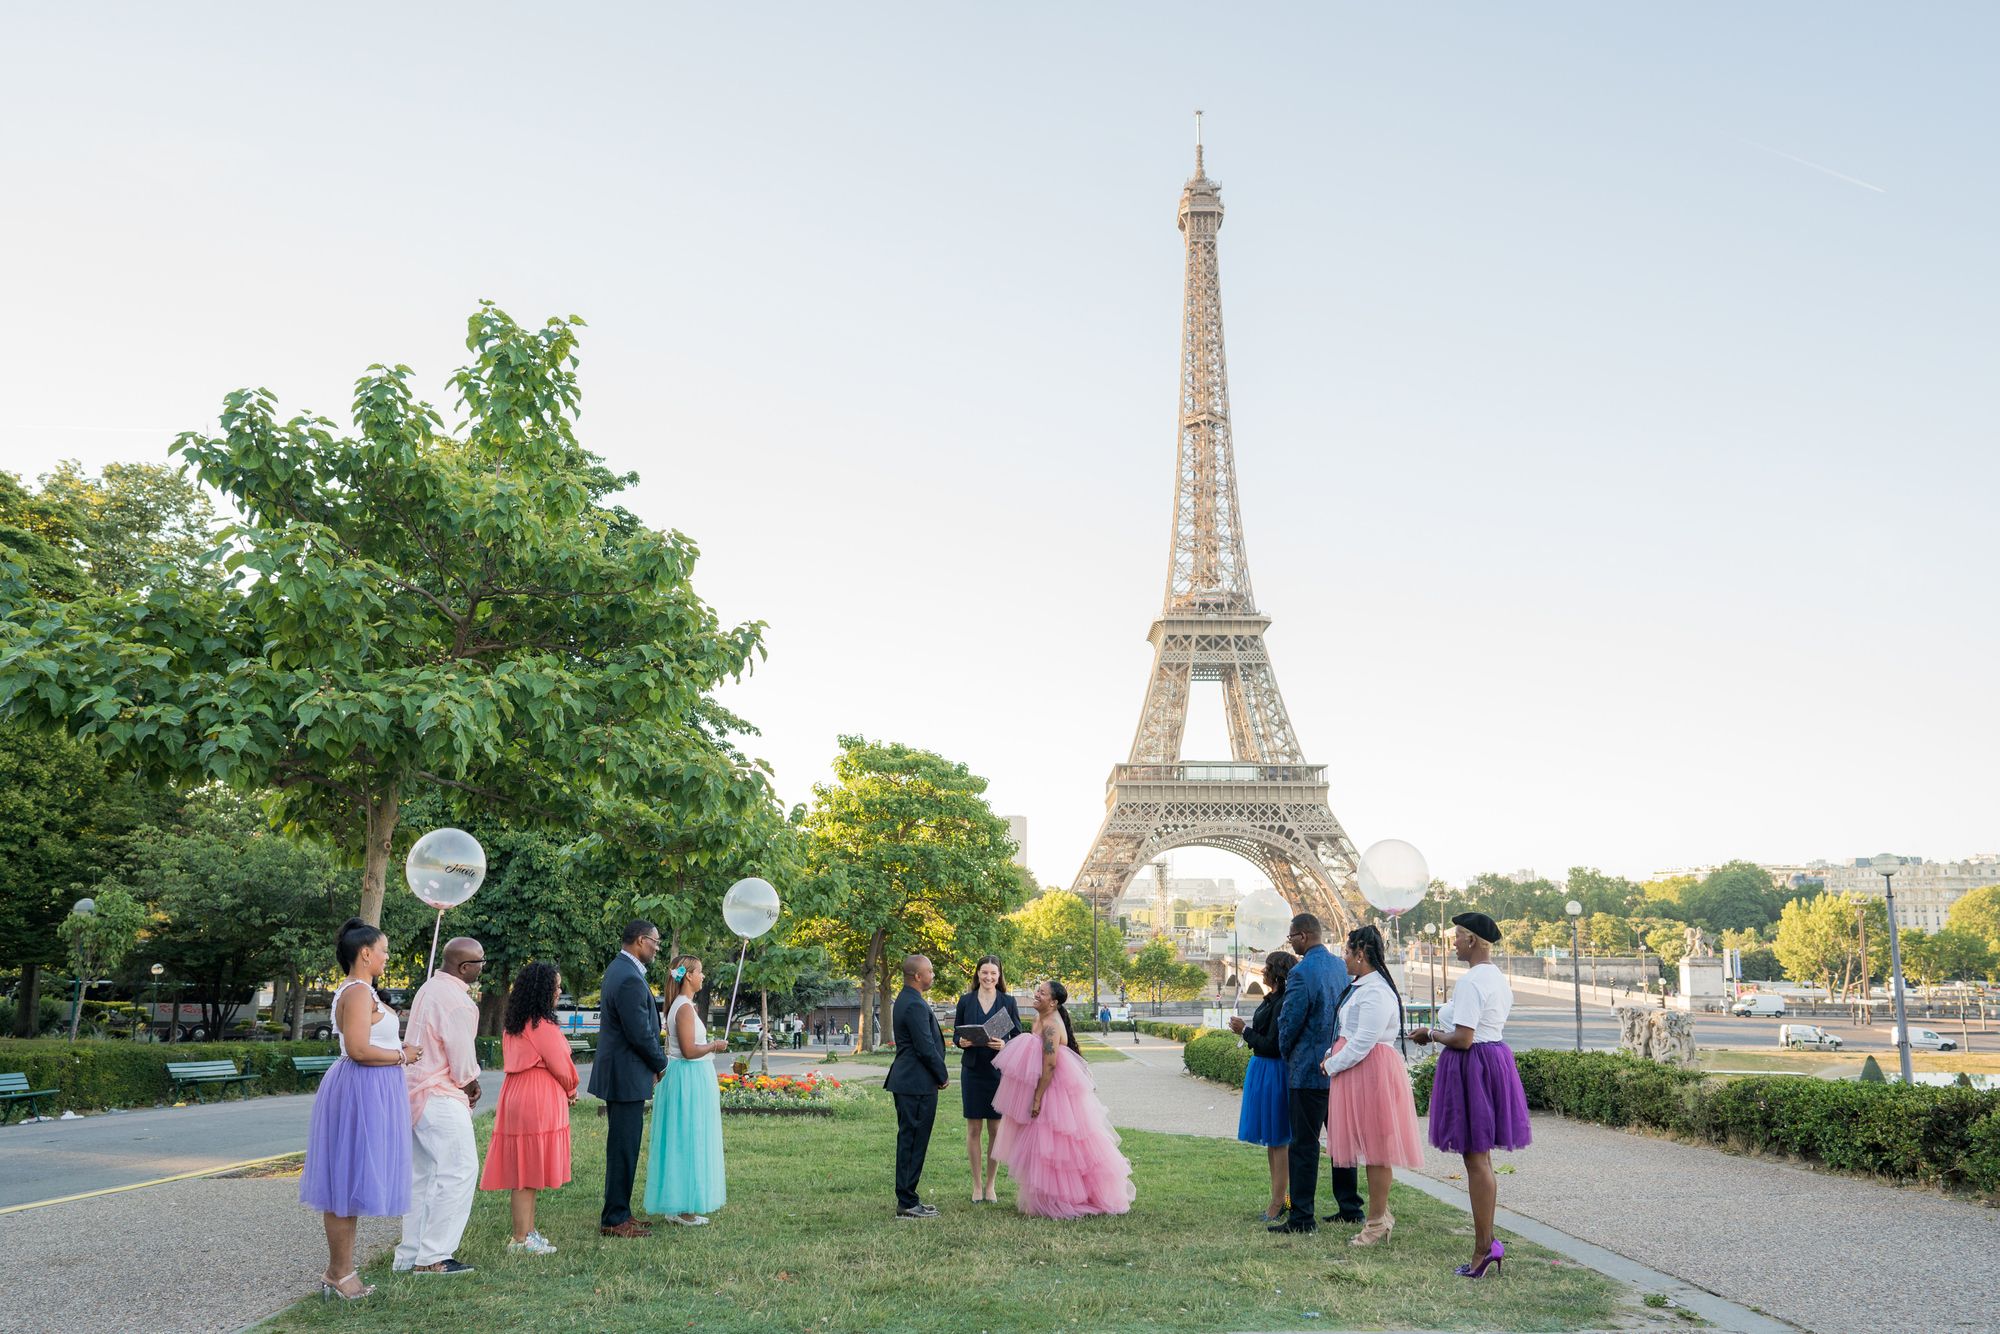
(1833, 1254)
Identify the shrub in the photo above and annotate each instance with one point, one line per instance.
(1217, 1054)
(92, 1075)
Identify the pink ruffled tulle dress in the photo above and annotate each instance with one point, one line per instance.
(1065, 1162)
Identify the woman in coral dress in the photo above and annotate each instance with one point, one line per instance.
(530, 1148)
(1056, 1139)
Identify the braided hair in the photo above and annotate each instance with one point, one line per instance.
(1367, 942)
(1060, 995)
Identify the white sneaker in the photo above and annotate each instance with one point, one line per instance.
(535, 1244)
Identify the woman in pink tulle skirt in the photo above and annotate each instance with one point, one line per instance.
(1371, 1115)
(1056, 1139)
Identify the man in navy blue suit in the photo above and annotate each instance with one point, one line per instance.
(1308, 1022)
(629, 1062)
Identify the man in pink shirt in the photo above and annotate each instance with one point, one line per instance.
(443, 1086)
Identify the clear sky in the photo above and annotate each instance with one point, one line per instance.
(1612, 384)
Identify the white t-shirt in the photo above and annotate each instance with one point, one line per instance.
(1368, 1018)
(1481, 1001)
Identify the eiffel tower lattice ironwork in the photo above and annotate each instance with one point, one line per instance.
(1265, 803)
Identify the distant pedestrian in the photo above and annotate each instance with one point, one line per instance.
(358, 1140)
(1265, 1116)
(684, 1176)
(530, 1148)
(443, 1087)
(1477, 1103)
(1371, 1113)
(1104, 1020)
(629, 1063)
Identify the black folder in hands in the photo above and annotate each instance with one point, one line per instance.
(979, 1034)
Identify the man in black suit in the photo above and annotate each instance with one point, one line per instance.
(629, 1063)
(916, 1077)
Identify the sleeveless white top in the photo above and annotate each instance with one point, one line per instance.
(674, 1052)
(385, 1032)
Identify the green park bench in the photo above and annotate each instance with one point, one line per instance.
(14, 1088)
(200, 1074)
(312, 1065)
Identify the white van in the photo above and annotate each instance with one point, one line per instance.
(1924, 1039)
(1799, 1036)
(1760, 1005)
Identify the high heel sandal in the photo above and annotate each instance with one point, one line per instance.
(1374, 1231)
(329, 1287)
(1493, 1258)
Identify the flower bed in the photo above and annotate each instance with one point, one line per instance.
(783, 1095)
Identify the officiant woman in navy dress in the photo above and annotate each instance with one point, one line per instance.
(978, 1081)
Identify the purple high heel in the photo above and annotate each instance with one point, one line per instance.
(1493, 1258)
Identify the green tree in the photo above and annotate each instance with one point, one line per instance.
(99, 940)
(1051, 938)
(1979, 913)
(1945, 955)
(1667, 896)
(1156, 973)
(1610, 933)
(406, 606)
(236, 902)
(64, 814)
(135, 526)
(1733, 896)
(1819, 940)
(912, 859)
(1601, 894)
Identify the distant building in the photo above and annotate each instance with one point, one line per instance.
(1017, 829)
(1925, 890)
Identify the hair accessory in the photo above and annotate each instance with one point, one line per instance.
(680, 972)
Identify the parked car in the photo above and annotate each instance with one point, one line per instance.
(750, 1024)
(1924, 1039)
(1797, 1036)
(1759, 1005)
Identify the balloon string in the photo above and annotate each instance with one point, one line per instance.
(434, 943)
(730, 1016)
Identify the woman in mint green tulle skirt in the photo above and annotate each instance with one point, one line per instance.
(684, 1179)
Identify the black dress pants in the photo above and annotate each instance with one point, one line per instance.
(625, 1124)
(1308, 1112)
(914, 1114)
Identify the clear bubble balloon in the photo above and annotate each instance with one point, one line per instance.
(750, 907)
(1262, 920)
(445, 867)
(1394, 876)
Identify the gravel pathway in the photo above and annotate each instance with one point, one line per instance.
(188, 1257)
(1838, 1255)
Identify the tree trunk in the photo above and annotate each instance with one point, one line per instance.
(493, 1007)
(870, 1035)
(764, 1038)
(28, 1008)
(298, 1015)
(380, 833)
(281, 995)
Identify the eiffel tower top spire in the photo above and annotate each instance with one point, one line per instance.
(1207, 570)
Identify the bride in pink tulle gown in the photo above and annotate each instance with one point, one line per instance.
(1056, 1139)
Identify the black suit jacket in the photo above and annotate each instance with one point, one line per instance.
(919, 1065)
(1261, 1033)
(629, 1054)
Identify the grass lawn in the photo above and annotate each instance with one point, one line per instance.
(1844, 1063)
(809, 1242)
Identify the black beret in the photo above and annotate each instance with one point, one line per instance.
(1479, 924)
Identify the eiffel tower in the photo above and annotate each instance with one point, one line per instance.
(1265, 803)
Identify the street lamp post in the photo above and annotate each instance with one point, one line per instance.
(1644, 986)
(1096, 1005)
(83, 908)
(1430, 964)
(1575, 911)
(1886, 867)
(153, 1015)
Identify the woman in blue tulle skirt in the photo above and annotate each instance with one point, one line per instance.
(1265, 1118)
(684, 1177)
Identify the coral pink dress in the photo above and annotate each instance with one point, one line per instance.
(530, 1148)
(1065, 1162)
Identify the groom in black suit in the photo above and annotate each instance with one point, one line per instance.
(629, 1063)
(916, 1077)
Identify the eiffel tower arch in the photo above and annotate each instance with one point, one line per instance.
(1264, 803)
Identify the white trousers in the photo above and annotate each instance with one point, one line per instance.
(444, 1173)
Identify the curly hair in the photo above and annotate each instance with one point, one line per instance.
(533, 997)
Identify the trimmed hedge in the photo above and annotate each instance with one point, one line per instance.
(1945, 1137)
(1217, 1054)
(89, 1076)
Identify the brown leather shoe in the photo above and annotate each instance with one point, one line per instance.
(628, 1228)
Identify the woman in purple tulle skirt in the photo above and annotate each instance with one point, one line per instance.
(358, 1141)
(1477, 1104)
